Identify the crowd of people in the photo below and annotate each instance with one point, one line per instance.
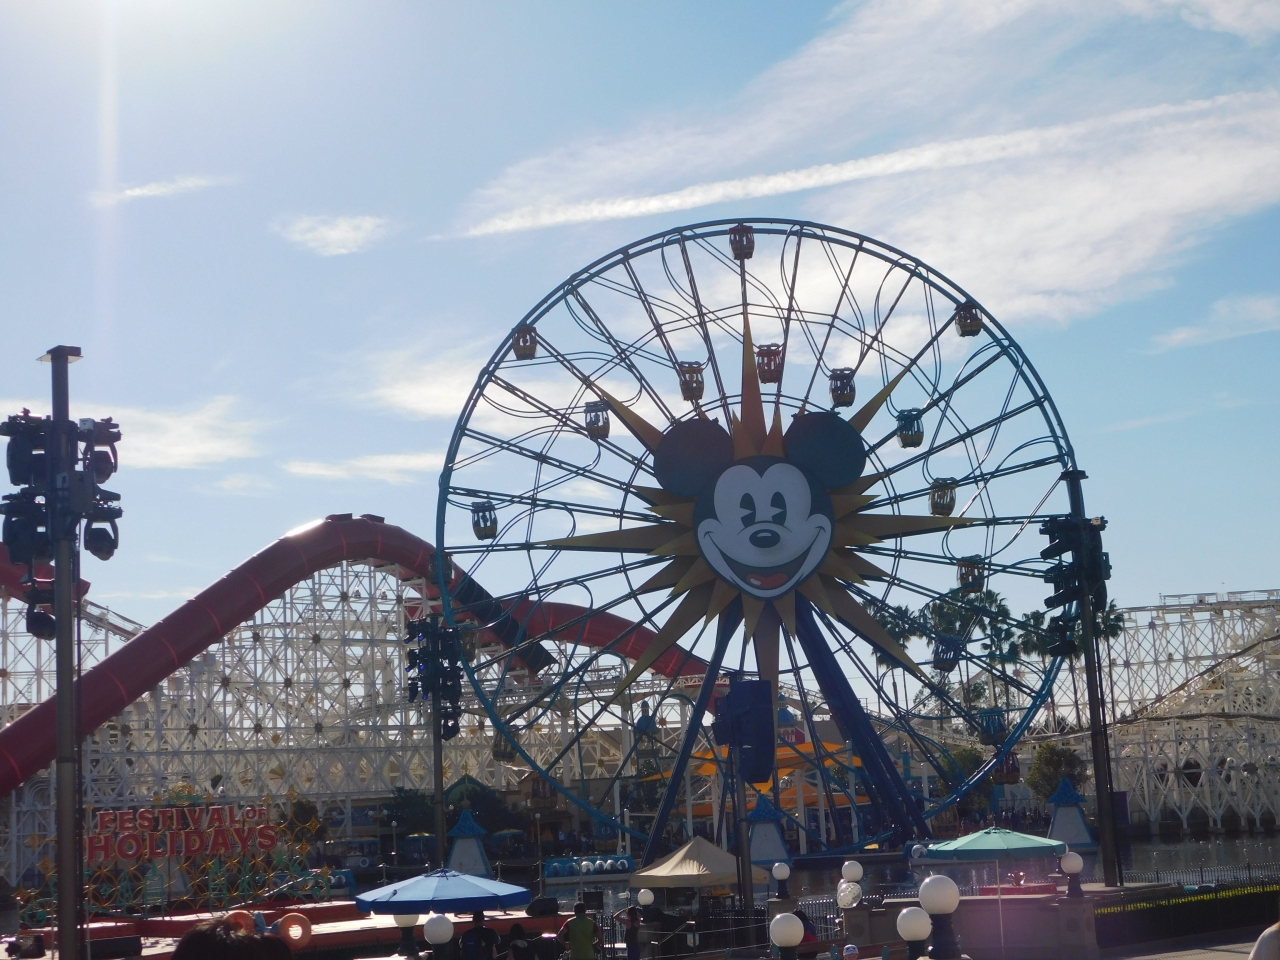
(1023, 821)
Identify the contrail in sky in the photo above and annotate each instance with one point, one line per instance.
(930, 156)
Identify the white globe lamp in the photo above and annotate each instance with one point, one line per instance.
(1072, 863)
(914, 926)
(851, 871)
(786, 930)
(408, 945)
(782, 873)
(940, 897)
(438, 929)
(645, 898)
(848, 894)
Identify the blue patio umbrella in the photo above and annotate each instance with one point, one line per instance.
(443, 891)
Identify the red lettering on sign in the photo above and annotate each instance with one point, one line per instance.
(192, 843)
(125, 821)
(215, 818)
(195, 817)
(221, 842)
(267, 836)
(146, 819)
(106, 821)
(244, 836)
(101, 847)
(129, 846)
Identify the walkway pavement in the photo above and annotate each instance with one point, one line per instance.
(1189, 948)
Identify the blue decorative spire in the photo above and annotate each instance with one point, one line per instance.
(1066, 794)
(467, 827)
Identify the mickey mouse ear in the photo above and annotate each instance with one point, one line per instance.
(827, 447)
(692, 454)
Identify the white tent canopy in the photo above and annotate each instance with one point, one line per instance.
(699, 863)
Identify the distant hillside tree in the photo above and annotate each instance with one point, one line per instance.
(1050, 765)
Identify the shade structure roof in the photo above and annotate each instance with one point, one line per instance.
(699, 863)
(996, 843)
(443, 891)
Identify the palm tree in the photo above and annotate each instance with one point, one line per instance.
(900, 624)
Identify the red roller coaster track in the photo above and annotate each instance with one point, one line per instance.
(28, 744)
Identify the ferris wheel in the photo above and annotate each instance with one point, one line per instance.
(772, 449)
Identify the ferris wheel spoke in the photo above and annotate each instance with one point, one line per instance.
(568, 423)
(649, 312)
(1034, 573)
(623, 354)
(543, 589)
(544, 459)
(538, 503)
(791, 305)
(883, 782)
(1033, 404)
(727, 625)
(820, 752)
(898, 712)
(705, 331)
(820, 352)
(975, 480)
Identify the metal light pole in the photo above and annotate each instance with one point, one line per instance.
(63, 527)
(1100, 740)
(437, 749)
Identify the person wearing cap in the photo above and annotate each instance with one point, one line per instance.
(850, 951)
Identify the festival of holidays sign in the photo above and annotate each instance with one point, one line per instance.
(151, 833)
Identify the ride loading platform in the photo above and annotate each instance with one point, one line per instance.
(334, 930)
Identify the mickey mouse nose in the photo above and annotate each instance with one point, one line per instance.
(765, 538)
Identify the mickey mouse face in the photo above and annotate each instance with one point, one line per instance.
(764, 524)
(764, 527)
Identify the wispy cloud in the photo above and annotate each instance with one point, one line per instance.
(1219, 400)
(209, 434)
(391, 467)
(333, 236)
(244, 485)
(1140, 422)
(1229, 318)
(424, 387)
(158, 188)
(1252, 19)
(173, 439)
(1047, 192)
(937, 156)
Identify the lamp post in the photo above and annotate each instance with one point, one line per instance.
(1071, 864)
(786, 931)
(851, 871)
(438, 929)
(395, 857)
(914, 926)
(645, 898)
(408, 944)
(940, 897)
(782, 873)
(537, 828)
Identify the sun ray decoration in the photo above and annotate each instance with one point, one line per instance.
(807, 543)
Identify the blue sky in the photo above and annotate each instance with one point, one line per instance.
(286, 235)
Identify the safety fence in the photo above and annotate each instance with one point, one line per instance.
(1159, 913)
